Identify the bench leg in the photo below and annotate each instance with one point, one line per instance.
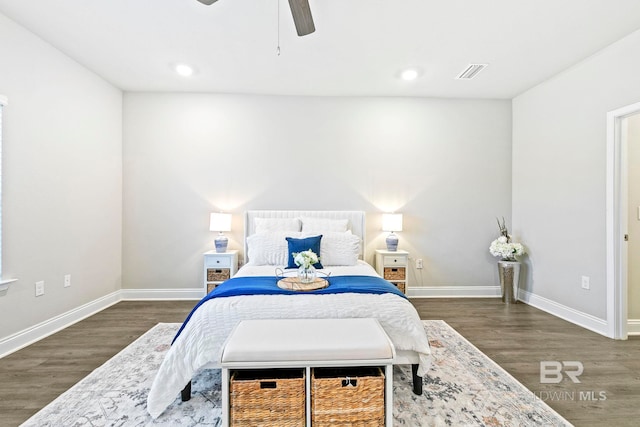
(186, 392)
(417, 380)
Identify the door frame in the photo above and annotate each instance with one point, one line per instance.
(617, 221)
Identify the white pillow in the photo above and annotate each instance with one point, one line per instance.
(276, 224)
(269, 247)
(339, 249)
(324, 225)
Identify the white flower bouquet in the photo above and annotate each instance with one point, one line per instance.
(503, 247)
(305, 259)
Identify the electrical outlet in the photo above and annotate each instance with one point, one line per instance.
(585, 282)
(419, 263)
(40, 288)
(67, 280)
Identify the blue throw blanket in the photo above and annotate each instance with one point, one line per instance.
(268, 285)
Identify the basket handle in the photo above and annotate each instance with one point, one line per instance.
(349, 382)
(268, 384)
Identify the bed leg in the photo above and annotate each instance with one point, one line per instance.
(417, 380)
(186, 392)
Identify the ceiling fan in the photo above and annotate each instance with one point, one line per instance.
(301, 15)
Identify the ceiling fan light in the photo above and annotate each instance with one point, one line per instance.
(184, 70)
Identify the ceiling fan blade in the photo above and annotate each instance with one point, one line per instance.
(207, 2)
(302, 16)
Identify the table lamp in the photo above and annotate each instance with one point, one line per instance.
(392, 223)
(220, 222)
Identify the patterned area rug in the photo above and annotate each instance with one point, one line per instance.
(464, 388)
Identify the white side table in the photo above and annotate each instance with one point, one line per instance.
(393, 266)
(218, 267)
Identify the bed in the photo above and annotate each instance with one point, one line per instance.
(355, 290)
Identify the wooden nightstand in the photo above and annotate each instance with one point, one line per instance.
(218, 267)
(393, 266)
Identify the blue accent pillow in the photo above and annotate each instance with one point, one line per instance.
(301, 245)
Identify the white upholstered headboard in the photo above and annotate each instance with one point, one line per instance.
(356, 221)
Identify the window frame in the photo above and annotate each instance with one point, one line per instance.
(4, 284)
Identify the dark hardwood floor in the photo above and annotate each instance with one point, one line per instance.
(518, 337)
(32, 377)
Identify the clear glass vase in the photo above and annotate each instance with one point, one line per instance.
(306, 274)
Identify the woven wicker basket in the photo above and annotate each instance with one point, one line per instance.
(267, 398)
(347, 397)
(394, 273)
(218, 274)
(401, 286)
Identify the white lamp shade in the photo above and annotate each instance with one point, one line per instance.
(220, 222)
(391, 222)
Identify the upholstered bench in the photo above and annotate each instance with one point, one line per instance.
(307, 344)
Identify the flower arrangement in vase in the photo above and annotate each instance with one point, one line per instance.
(508, 266)
(305, 261)
(503, 247)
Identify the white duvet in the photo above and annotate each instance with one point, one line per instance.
(200, 343)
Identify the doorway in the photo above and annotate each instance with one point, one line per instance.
(632, 124)
(623, 215)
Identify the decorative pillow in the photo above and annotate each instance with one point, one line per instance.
(276, 224)
(269, 247)
(324, 225)
(304, 244)
(340, 249)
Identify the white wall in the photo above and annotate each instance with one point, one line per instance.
(559, 165)
(62, 181)
(445, 164)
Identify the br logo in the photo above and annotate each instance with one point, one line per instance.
(551, 371)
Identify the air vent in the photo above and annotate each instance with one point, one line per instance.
(471, 71)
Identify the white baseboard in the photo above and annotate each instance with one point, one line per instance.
(569, 314)
(42, 330)
(454, 292)
(161, 294)
(633, 327)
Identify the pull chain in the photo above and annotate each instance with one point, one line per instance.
(278, 48)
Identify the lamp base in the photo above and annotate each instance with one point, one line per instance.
(221, 243)
(392, 242)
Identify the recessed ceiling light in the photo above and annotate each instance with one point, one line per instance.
(184, 70)
(409, 74)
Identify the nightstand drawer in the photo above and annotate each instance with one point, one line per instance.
(217, 262)
(395, 273)
(394, 260)
(218, 274)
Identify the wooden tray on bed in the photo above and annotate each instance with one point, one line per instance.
(293, 284)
